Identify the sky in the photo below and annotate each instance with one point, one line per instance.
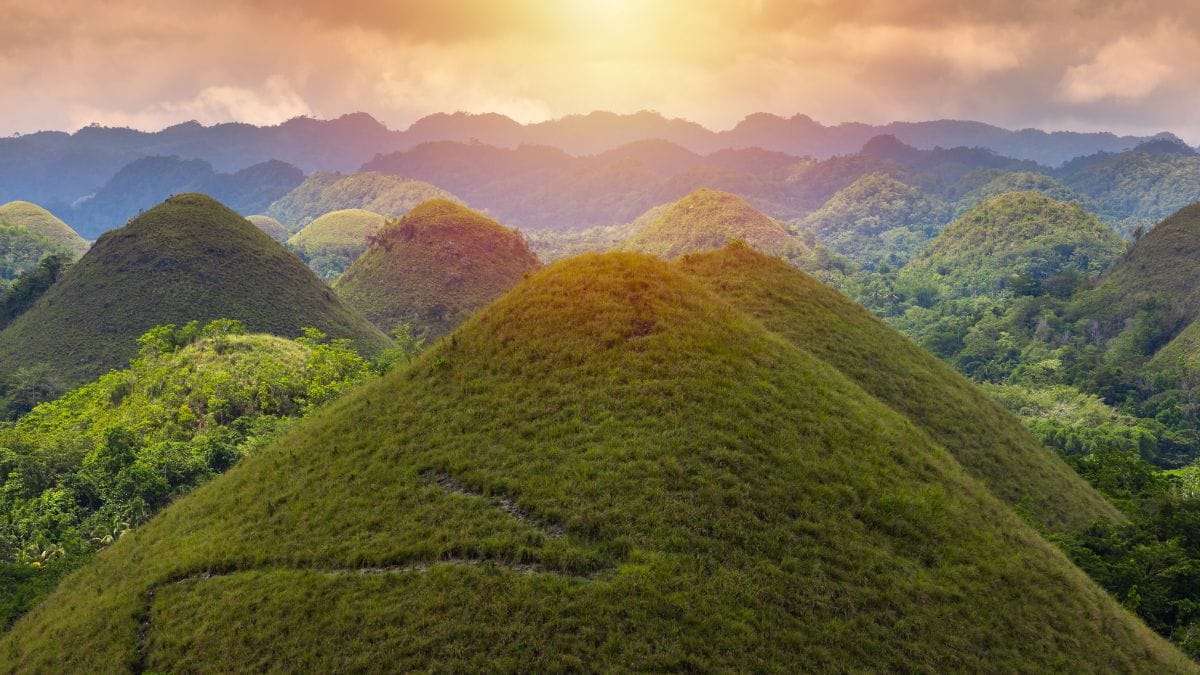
(1127, 67)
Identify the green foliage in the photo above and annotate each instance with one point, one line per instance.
(609, 468)
(878, 220)
(24, 388)
(77, 473)
(433, 268)
(988, 183)
(188, 258)
(551, 245)
(22, 250)
(1136, 188)
(22, 293)
(22, 585)
(1152, 564)
(1021, 234)
(405, 346)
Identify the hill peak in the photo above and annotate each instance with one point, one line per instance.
(610, 449)
(1027, 234)
(434, 267)
(706, 219)
(188, 258)
(34, 218)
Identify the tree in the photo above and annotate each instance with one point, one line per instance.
(406, 346)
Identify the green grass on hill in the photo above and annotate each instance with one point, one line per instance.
(988, 441)
(1014, 236)
(610, 468)
(40, 221)
(1152, 290)
(347, 228)
(434, 268)
(708, 219)
(333, 241)
(189, 258)
(272, 227)
(1180, 358)
(321, 193)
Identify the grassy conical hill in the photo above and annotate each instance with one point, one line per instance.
(610, 468)
(1024, 236)
(434, 268)
(878, 219)
(1014, 181)
(706, 219)
(321, 193)
(272, 227)
(189, 258)
(40, 221)
(333, 241)
(339, 229)
(1153, 285)
(986, 439)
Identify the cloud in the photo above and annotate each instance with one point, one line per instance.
(1072, 63)
(274, 102)
(1127, 69)
(966, 50)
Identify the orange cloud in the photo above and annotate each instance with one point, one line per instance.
(1080, 63)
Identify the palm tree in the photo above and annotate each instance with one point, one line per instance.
(106, 533)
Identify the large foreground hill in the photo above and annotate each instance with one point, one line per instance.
(610, 468)
(189, 258)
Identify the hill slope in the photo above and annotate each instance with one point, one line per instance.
(321, 193)
(189, 258)
(35, 219)
(1018, 233)
(707, 219)
(1138, 187)
(272, 227)
(877, 220)
(609, 468)
(434, 268)
(1155, 281)
(988, 441)
(330, 243)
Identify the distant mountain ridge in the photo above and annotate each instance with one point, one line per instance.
(145, 182)
(56, 168)
(798, 135)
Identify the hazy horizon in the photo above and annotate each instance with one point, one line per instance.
(630, 113)
(1080, 65)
